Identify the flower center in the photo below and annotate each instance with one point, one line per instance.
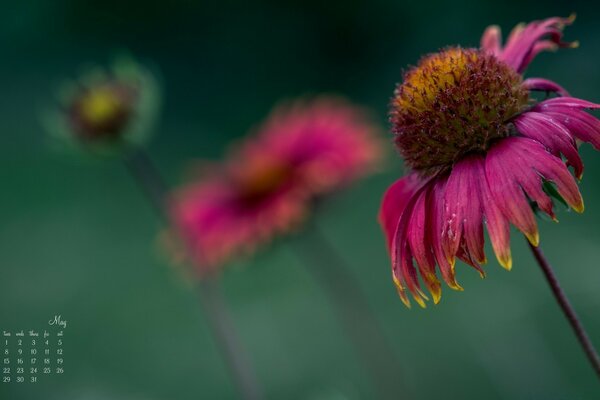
(102, 111)
(260, 178)
(454, 102)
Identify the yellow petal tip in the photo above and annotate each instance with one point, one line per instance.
(534, 238)
(506, 263)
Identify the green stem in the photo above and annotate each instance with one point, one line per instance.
(352, 309)
(567, 308)
(145, 173)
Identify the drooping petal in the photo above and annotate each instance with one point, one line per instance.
(404, 196)
(420, 246)
(516, 165)
(435, 209)
(562, 102)
(544, 85)
(473, 212)
(393, 204)
(526, 41)
(403, 270)
(551, 169)
(552, 134)
(462, 214)
(506, 190)
(582, 125)
(453, 210)
(497, 224)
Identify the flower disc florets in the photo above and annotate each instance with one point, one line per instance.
(453, 103)
(103, 111)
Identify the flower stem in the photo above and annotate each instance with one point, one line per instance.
(145, 173)
(351, 308)
(567, 309)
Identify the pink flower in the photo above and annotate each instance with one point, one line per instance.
(266, 186)
(480, 151)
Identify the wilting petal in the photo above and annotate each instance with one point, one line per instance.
(562, 102)
(393, 204)
(551, 169)
(525, 42)
(453, 211)
(491, 40)
(544, 85)
(506, 190)
(462, 214)
(435, 209)
(403, 267)
(552, 134)
(497, 224)
(420, 246)
(403, 270)
(473, 211)
(582, 125)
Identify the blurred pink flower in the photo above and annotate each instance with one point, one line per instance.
(480, 150)
(266, 187)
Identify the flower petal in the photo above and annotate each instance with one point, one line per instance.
(552, 134)
(552, 169)
(403, 270)
(569, 102)
(500, 171)
(526, 41)
(435, 209)
(497, 224)
(582, 125)
(393, 204)
(491, 39)
(462, 220)
(420, 246)
(544, 85)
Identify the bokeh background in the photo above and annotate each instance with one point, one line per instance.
(78, 239)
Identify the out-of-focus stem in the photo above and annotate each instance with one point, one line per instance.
(145, 173)
(351, 307)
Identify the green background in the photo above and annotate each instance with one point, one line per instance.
(78, 239)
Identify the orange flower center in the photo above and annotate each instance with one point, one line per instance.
(454, 102)
(261, 177)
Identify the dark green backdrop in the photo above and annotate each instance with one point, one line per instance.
(77, 239)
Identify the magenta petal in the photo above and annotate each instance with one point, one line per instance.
(403, 270)
(497, 224)
(453, 211)
(393, 204)
(525, 42)
(473, 222)
(462, 219)
(568, 102)
(491, 40)
(545, 85)
(552, 134)
(582, 125)
(435, 208)
(552, 169)
(500, 171)
(418, 238)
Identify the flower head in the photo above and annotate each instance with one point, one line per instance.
(265, 187)
(106, 109)
(480, 151)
